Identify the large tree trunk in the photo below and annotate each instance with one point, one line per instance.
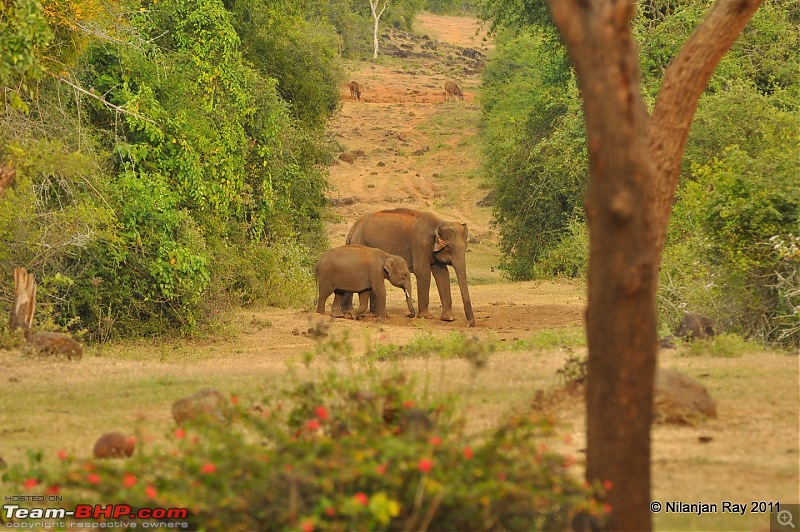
(634, 164)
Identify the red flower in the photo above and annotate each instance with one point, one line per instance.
(31, 483)
(53, 490)
(128, 480)
(150, 491)
(408, 404)
(435, 440)
(568, 439)
(234, 399)
(468, 454)
(93, 478)
(380, 469)
(208, 468)
(425, 465)
(361, 498)
(330, 511)
(307, 525)
(180, 433)
(322, 413)
(501, 477)
(608, 485)
(569, 461)
(312, 424)
(607, 509)
(62, 455)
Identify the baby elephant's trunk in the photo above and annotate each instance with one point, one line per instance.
(409, 302)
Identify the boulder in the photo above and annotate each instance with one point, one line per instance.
(114, 445)
(54, 343)
(681, 399)
(206, 404)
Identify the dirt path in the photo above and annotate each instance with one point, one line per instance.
(404, 145)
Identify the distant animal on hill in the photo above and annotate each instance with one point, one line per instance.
(452, 90)
(355, 91)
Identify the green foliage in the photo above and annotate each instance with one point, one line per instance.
(180, 159)
(23, 33)
(364, 452)
(737, 222)
(729, 253)
(301, 55)
(720, 346)
(536, 155)
(575, 370)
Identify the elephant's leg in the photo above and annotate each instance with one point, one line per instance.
(442, 276)
(347, 302)
(423, 274)
(336, 308)
(322, 297)
(379, 296)
(363, 302)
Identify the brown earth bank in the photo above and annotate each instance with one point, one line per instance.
(409, 147)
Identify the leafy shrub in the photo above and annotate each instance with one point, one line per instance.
(355, 453)
(733, 233)
(536, 155)
(575, 370)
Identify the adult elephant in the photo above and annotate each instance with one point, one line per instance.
(428, 244)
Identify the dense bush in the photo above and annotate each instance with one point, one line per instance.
(535, 147)
(358, 453)
(729, 253)
(736, 230)
(168, 158)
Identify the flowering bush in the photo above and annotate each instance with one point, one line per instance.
(337, 454)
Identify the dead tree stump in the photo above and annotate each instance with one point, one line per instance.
(24, 301)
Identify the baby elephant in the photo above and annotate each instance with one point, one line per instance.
(355, 91)
(452, 90)
(356, 268)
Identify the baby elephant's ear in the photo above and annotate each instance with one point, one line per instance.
(390, 265)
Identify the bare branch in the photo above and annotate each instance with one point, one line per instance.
(102, 100)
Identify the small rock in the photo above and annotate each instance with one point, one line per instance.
(207, 403)
(347, 157)
(381, 163)
(114, 445)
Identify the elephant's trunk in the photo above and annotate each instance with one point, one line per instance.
(410, 303)
(461, 274)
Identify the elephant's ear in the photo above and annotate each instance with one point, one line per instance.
(390, 266)
(440, 243)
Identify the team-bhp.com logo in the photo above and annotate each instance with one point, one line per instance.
(14, 512)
